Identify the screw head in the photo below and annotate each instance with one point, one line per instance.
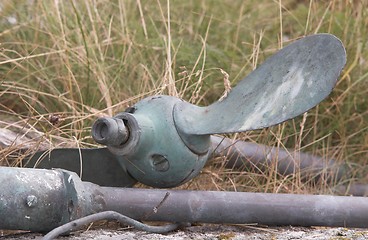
(160, 163)
(31, 201)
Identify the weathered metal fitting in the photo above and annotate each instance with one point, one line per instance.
(196, 142)
(129, 144)
(162, 158)
(19, 188)
(155, 153)
(40, 200)
(109, 131)
(31, 201)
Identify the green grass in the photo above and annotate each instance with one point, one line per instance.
(82, 59)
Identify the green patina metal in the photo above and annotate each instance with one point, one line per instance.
(163, 141)
(155, 153)
(40, 200)
(167, 140)
(287, 84)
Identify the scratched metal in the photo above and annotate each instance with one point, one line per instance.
(40, 200)
(30, 197)
(286, 85)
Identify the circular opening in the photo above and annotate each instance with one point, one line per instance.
(101, 130)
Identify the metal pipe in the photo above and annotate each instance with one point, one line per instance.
(240, 155)
(110, 131)
(353, 189)
(29, 198)
(39, 200)
(238, 207)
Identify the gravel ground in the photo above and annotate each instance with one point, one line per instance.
(215, 232)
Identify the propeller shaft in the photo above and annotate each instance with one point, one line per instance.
(110, 131)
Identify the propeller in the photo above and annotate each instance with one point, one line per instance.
(97, 165)
(163, 141)
(286, 85)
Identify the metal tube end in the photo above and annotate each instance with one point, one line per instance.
(109, 131)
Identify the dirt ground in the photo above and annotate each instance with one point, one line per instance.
(215, 232)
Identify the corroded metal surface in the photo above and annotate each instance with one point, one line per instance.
(40, 200)
(168, 139)
(163, 142)
(154, 153)
(286, 85)
(31, 199)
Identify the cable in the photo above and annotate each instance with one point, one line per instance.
(109, 215)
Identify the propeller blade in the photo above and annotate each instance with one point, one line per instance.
(286, 85)
(99, 165)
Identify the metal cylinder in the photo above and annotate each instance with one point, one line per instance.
(39, 200)
(242, 155)
(238, 207)
(109, 131)
(33, 199)
(353, 189)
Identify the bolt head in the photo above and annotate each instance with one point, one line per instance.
(31, 201)
(160, 163)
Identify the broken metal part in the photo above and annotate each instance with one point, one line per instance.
(169, 139)
(165, 142)
(40, 200)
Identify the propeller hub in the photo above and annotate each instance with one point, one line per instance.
(164, 142)
(154, 152)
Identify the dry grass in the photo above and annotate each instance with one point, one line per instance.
(76, 60)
